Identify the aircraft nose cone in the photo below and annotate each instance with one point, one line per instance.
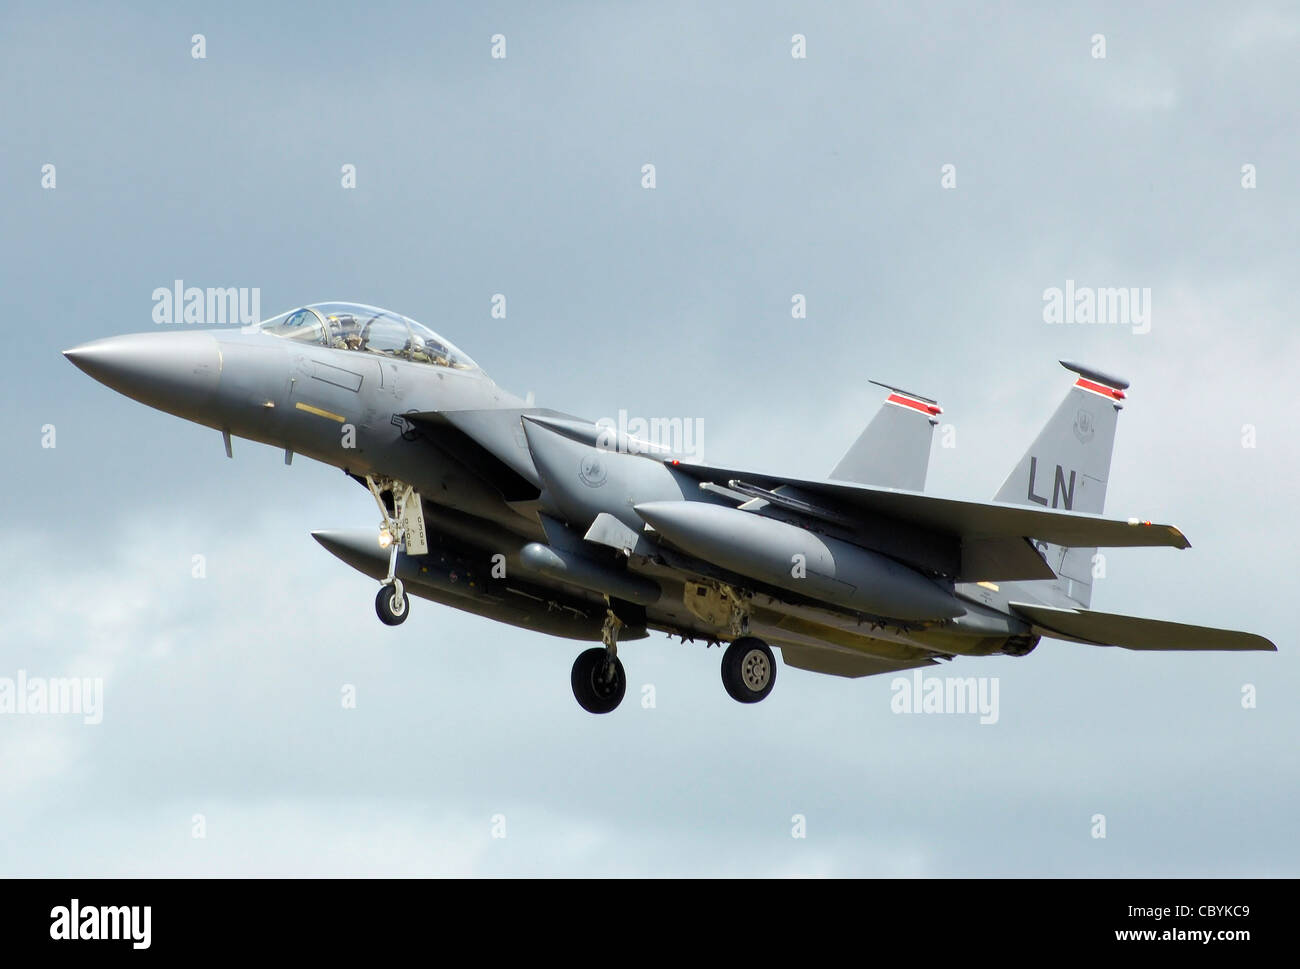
(174, 372)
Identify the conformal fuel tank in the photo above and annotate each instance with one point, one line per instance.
(793, 558)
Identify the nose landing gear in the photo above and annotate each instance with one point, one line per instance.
(391, 604)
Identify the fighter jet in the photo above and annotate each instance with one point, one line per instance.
(546, 521)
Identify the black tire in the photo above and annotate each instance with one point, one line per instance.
(385, 607)
(593, 692)
(748, 670)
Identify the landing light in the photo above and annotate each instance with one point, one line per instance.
(385, 538)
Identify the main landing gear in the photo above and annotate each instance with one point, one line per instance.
(748, 670)
(599, 682)
(598, 679)
(392, 604)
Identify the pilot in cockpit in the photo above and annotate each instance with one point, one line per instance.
(415, 349)
(437, 354)
(345, 333)
(343, 326)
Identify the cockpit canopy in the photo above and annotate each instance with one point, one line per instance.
(367, 329)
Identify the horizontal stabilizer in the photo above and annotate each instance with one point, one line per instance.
(1131, 632)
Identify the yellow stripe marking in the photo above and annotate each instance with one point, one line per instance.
(318, 412)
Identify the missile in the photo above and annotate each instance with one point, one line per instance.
(793, 558)
(588, 574)
(428, 577)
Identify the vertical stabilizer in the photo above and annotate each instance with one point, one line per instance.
(893, 451)
(1067, 467)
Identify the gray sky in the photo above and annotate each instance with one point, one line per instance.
(522, 176)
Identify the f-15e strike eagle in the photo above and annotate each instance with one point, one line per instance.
(557, 524)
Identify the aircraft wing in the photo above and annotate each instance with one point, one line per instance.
(994, 538)
(1131, 632)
